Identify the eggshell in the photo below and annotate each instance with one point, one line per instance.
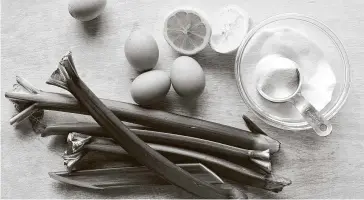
(150, 87)
(86, 10)
(141, 50)
(187, 77)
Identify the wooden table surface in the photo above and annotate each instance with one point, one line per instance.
(35, 34)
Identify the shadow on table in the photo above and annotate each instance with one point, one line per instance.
(216, 62)
(93, 27)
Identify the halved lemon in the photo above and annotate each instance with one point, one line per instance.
(187, 31)
(229, 28)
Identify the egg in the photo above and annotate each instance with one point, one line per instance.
(150, 87)
(187, 77)
(141, 50)
(86, 10)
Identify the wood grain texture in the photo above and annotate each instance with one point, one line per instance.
(35, 34)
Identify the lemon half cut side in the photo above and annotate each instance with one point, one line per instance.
(229, 28)
(187, 31)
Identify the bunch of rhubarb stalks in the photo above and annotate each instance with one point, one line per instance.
(234, 154)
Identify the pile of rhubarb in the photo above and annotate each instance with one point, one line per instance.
(238, 155)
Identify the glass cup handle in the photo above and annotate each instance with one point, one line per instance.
(321, 126)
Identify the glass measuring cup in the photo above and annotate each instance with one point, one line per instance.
(282, 83)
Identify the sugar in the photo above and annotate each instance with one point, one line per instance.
(318, 79)
(281, 81)
(318, 88)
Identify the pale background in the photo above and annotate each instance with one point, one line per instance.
(35, 34)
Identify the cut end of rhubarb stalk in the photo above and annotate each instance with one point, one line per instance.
(262, 155)
(58, 79)
(71, 160)
(276, 183)
(264, 142)
(263, 164)
(75, 149)
(76, 141)
(273, 145)
(65, 71)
